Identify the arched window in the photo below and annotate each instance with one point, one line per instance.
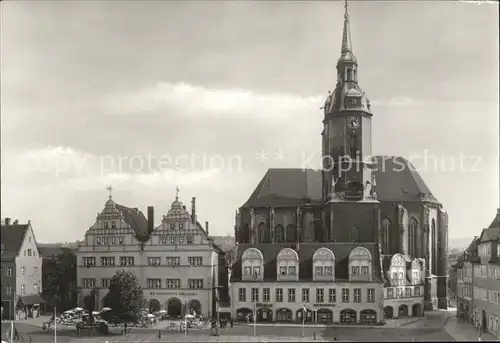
(264, 234)
(287, 263)
(386, 236)
(323, 265)
(416, 272)
(252, 264)
(360, 264)
(353, 145)
(349, 74)
(434, 248)
(354, 237)
(412, 235)
(279, 234)
(291, 234)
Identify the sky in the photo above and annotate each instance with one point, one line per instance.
(206, 96)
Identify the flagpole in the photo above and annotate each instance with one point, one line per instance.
(11, 331)
(55, 325)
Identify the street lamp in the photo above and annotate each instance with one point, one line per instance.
(217, 309)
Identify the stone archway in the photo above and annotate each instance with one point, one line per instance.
(388, 312)
(154, 305)
(484, 321)
(174, 307)
(403, 311)
(194, 307)
(416, 310)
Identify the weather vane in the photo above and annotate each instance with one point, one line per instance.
(176, 192)
(110, 189)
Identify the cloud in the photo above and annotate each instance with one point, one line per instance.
(198, 101)
(69, 168)
(399, 101)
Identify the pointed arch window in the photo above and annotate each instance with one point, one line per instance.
(412, 235)
(279, 234)
(433, 247)
(354, 237)
(386, 236)
(291, 234)
(349, 74)
(353, 145)
(264, 233)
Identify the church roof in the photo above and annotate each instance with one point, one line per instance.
(496, 221)
(396, 178)
(306, 252)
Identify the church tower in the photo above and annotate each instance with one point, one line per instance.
(347, 166)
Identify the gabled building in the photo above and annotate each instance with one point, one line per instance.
(350, 214)
(177, 262)
(21, 272)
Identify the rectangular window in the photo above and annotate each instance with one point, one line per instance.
(107, 261)
(291, 295)
(398, 292)
(113, 240)
(328, 270)
(292, 270)
(305, 295)
(105, 283)
(29, 252)
(242, 295)
(390, 293)
(282, 270)
(23, 290)
(88, 283)
(255, 295)
(267, 295)
(154, 261)
(247, 271)
(279, 295)
(319, 271)
(8, 290)
(173, 283)
(154, 283)
(357, 295)
(120, 240)
(98, 240)
(332, 295)
(408, 292)
(320, 295)
(195, 261)
(10, 271)
(22, 270)
(345, 295)
(89, 261)
(126, 261)
(35, 271)
(35, 288)
(195, 283)
(370, 296)
(256, 271)
(355, 271)
(189, 239)
(173, 261)
(364, 270)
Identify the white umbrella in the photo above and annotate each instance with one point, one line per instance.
(95, 312)
(106, 309)
(162, 311)
(151, 315)
(189, 316)
(78, 309)
(68, 312)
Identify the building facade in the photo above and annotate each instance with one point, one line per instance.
(176, 262)
(21, 271)
(403, 286)
(486, 280)
(378, 203)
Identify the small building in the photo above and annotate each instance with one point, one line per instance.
(403, 286)
(465, 280)
(21, 271)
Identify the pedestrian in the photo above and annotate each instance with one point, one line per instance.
(232, 323)
(16, 334)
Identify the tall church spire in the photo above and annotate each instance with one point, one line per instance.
(346, 35)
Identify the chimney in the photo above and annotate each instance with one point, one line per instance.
(151, 219)
(16, 222)
(206, 228)
(193, 210)
(7, 221)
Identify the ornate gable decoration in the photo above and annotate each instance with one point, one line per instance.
(288, 254)
(177, 213)
(323, 254)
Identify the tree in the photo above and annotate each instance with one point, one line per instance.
(125, 297)
(59, 275)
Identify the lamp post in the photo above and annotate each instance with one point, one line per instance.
(217, 308)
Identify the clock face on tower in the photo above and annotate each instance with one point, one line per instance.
(353, 122)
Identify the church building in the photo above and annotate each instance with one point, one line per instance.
(326, 245)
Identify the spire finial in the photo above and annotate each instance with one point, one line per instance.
(110, 189)
(176, 192)
(346, 15)
(346, 35)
